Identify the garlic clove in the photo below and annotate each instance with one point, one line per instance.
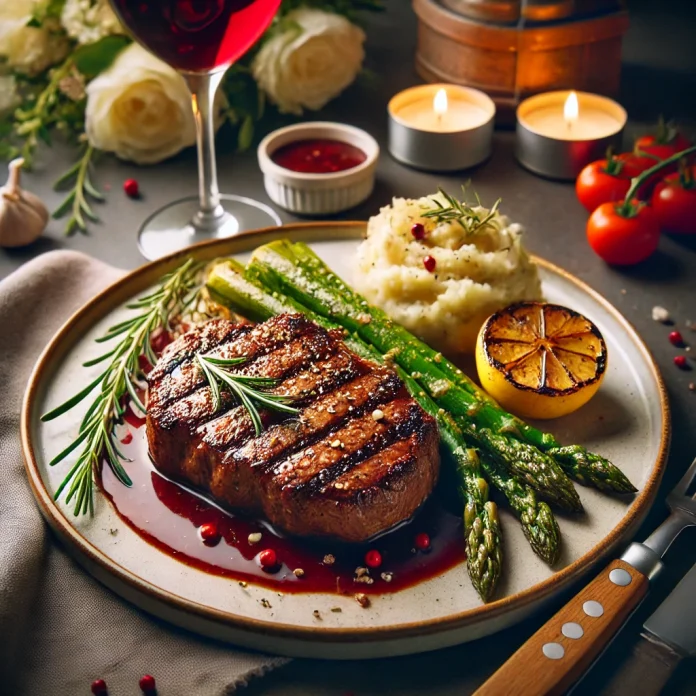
(23, 216)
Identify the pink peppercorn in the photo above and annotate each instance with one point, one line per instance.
(422, 541)
(130, 186)
(373, 558)
(268, 559)
(209, 533)
(147, 684)
(98, 687)
(418, 231)
(676, 339)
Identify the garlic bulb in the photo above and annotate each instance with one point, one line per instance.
(23, 216)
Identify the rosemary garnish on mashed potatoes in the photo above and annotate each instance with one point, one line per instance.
(441, 267)
(470, 219)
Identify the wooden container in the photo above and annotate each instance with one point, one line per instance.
(510, 11)
(510, 64)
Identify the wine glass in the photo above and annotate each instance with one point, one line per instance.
(200, 39)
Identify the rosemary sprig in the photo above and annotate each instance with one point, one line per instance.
(34, 123)
(97, 430)
(458, 211)
(248, 390)
(77, 199)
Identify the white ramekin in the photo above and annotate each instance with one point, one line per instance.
(318, 194)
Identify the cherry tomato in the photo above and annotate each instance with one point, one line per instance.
(674, 202)
(634, 164)
(601, 182)
(621, 240)
(666, 143)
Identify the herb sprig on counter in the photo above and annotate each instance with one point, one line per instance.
(458, 211)
(175, 292)
(247, 389)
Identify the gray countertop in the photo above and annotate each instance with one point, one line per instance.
(659, 77)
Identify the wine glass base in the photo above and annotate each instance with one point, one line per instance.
(170, 228)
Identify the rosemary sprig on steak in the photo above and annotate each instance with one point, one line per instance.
(250, 391)
(96, 435)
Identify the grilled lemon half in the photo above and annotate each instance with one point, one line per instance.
(540, 360)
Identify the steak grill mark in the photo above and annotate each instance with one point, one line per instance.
(295, 456)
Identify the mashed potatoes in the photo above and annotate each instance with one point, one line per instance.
(478, 271)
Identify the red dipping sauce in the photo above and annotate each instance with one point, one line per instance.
(318, 156)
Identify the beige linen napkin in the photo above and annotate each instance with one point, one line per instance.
(59, 628)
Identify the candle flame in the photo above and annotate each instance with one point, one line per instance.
(571, 109)
(440, 102)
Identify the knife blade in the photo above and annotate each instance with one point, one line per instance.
(668, 636)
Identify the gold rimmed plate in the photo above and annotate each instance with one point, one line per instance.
(628, 421)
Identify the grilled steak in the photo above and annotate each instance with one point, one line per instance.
(337, 469)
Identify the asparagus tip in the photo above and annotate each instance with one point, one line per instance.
(590, 469)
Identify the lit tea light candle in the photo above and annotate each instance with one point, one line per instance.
(441, 127)
(440, 107)
(558, 133)
(571, 110)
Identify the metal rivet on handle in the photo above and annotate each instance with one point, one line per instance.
(554, 651)
(593, 609)
(620, 577)
(572, 630)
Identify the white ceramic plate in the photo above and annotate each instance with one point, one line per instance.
(628, 421)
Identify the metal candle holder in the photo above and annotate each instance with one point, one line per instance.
(564, 158)
(440, 151)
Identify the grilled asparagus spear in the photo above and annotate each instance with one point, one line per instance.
(294, 268)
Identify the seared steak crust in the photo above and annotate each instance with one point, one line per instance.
(336, 469)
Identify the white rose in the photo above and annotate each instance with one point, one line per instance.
(87, 21)
(311, 62)
(139, 108)
(28, 49)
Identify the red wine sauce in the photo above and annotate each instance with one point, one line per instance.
(168, 516)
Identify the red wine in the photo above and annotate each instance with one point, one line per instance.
(197, 35)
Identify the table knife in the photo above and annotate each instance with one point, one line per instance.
(557, 655)
(668, 636)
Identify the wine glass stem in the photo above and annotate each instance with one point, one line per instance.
(203, 87)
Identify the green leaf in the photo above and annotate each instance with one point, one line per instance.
(49, 10)
(66, 176)
(64, 206)
(261, 106)
(246, 134)
(72, 401)
(89, 187)
(71, 447)
(92, 59)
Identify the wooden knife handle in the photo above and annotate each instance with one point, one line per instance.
(562, 649)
